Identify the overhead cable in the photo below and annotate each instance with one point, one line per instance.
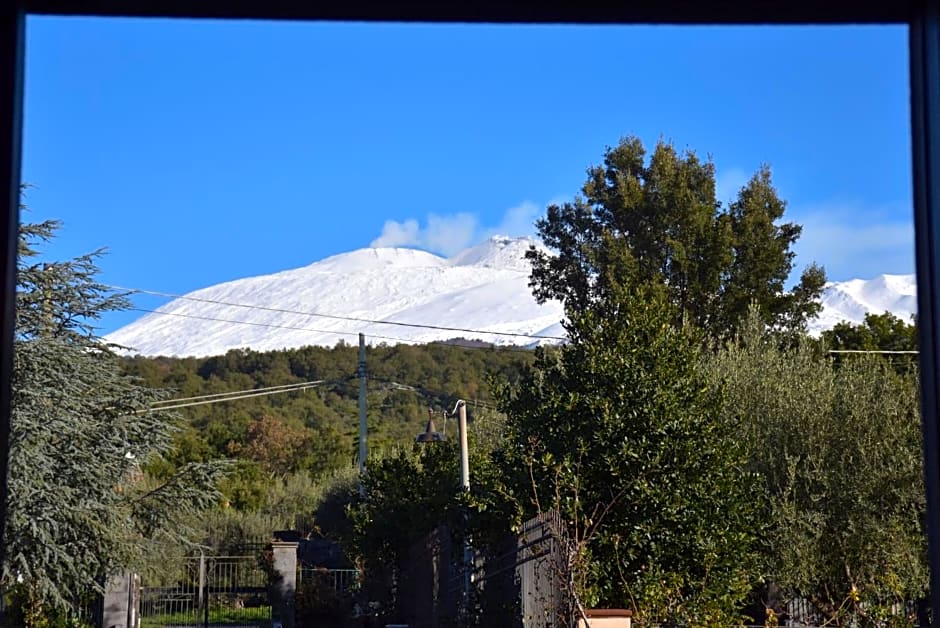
(873, 351)
(281, 388)
(432, 393)
(407, 341)
(232, 398)
(272, 325)
(337, 316)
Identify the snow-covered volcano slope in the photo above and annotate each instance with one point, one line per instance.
(485, 288)
(851, 300)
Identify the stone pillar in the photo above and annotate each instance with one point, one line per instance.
(283, 584)
(120, 608)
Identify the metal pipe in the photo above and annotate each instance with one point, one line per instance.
(465, 486)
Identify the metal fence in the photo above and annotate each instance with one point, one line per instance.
(85, 609)
(210, 591)
(341, 580)
(521, 584)
(799, 612)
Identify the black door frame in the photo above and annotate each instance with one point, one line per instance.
(922, 17)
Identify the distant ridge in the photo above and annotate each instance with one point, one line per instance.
(482, 288)
(851, 300)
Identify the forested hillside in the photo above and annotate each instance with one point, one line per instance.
(316, 430)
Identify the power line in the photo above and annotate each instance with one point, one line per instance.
(425, 392)
(198, 400)
(272, 325)
(873, 351)
(172, 404)
(509, 348)
(300, 385)
(408, 341)
(336, 316)
(232, 398)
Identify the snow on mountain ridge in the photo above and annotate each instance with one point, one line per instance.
(498, 252)
(483, 288)
(378, 258)
(851, 300)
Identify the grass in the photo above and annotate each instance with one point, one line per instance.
(256, 615)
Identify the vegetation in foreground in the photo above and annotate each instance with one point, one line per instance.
(707, 459)
(78, 506)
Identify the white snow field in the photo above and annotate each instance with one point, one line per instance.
(482, 288)
(851, 300)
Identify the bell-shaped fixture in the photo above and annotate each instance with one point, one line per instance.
(430, 433)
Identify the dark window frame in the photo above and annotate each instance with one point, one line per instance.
(922, 17)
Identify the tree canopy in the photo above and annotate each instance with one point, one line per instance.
(638, 221)
(78, 507)
(622, 435)
(878, 332)
(835, 449)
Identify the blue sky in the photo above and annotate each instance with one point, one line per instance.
(203, 151)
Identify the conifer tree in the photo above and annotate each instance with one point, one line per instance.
(78, 505)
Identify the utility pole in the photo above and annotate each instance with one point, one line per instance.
(465, 486)
(361, 371)
(464, 452)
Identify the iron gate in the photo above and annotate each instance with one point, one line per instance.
(212, 591)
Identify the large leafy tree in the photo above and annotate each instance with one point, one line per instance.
(622, 436)
(279, 447)
(78, 506)
(836, 448)
(887, 334)
(639, 221)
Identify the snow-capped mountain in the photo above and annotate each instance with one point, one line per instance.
(482, 288)
(851, 300)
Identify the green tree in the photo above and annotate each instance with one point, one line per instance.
(395, 416)
(410, 493)
(837, 454)
(639, 222)
(879, 332)
(407, 495)
(621, 434)
(77, 508)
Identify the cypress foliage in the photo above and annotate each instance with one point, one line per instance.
(79, 506)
